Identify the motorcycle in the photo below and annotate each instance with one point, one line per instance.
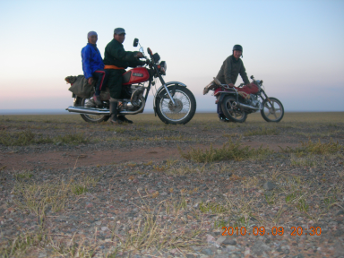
(173, 102)
(236, 102)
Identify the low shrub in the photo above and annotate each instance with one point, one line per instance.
(229, 151)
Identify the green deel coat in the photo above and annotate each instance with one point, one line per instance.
(116, 55)
(230, 70)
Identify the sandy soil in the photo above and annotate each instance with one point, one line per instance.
(78, 158)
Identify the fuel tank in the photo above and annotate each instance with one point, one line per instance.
(135, 75)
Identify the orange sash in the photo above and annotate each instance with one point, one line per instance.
(112, 67)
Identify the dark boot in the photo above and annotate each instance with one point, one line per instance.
(96, 99)
(223, 118)
(124, 119)
(113, 111)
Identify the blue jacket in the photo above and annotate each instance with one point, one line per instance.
(91, 60)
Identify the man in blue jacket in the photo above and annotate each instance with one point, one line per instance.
(93, 66)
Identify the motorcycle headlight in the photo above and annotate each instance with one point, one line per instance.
(163, 67)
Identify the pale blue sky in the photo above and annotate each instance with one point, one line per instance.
(296, 47)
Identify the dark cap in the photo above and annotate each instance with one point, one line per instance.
(238, 47)
(119, 31)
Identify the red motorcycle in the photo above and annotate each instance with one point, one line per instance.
(173, 102)
(237, 102)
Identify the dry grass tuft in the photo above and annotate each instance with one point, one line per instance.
(315, 148)
(20, 138)
(154, 231)
(230, 151)
(38, 198)
(27, 137)
(262, 131)
(23, 243)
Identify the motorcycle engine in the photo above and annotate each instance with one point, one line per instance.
(134, 103)
(254, 101)
(136, 95)
(127, 105)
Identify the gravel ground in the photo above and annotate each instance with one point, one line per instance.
(171, 206)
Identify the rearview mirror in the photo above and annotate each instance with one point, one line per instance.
(136, 42)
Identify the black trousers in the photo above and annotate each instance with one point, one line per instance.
(100, 77)
(114, 81)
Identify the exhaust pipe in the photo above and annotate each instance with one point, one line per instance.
(90, 111)
(247, 107)
(103, 111)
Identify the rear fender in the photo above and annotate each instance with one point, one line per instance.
(224, 94)
(172, 84)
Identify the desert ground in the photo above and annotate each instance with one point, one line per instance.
(205, 189)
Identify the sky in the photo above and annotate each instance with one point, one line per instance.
(296, 47)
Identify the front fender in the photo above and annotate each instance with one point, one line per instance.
(168, 84)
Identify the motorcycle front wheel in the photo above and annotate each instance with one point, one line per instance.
(182, 112)
(85, 102)
(232, 111)
(272, 111)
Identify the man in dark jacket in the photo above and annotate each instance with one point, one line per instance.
(232, 67)
(228, 74)
(116, 60)
(93, 66)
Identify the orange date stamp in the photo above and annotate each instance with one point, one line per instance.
(260, 231)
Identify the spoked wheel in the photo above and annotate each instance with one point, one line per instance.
(180, 113)
(232, 111)
(272, 111)
(87, 102)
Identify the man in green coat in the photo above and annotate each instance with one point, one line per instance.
(232, 67)
(116, 60)
(228, 74)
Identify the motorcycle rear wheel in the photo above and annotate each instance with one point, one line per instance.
(88, 117)
(184, 110)
(275, 108)
(231, 111)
